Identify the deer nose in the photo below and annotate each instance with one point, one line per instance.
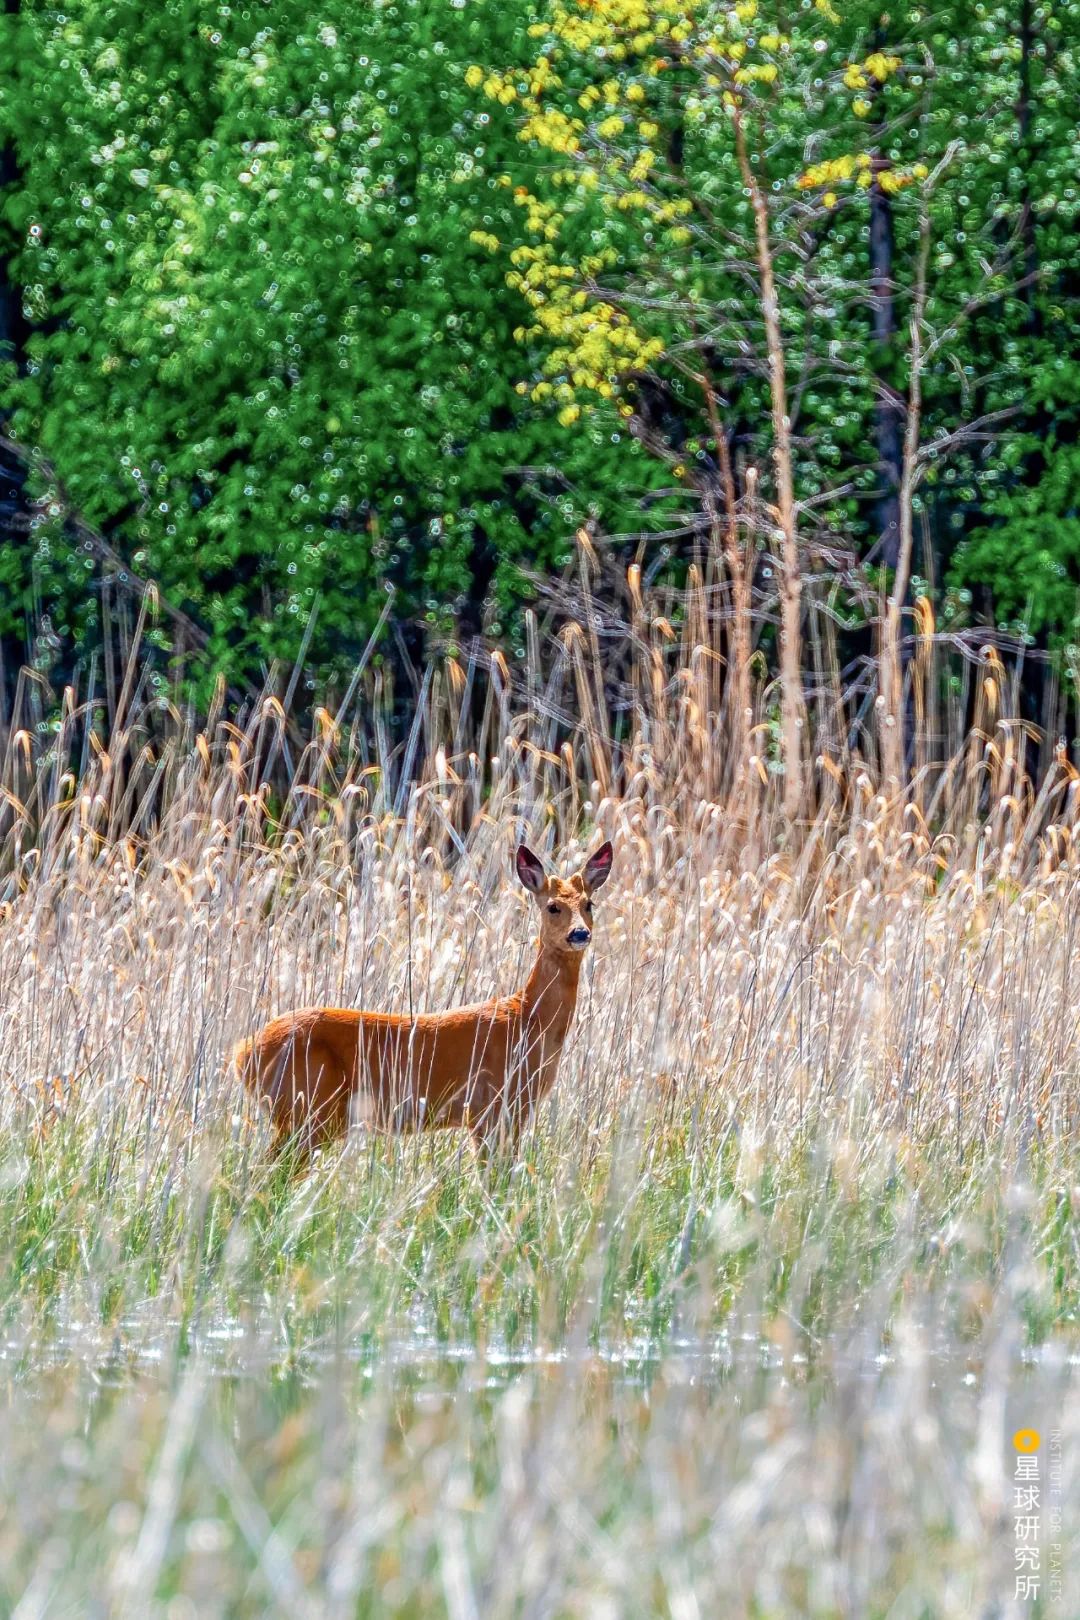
(579, 936)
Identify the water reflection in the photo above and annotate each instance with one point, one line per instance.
(234, 1349)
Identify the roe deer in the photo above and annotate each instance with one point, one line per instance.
(484, 1067)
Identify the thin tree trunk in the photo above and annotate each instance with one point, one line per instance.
(1027, 214)
(14, 332)
(13, 326)
(793, 710)
(888, 404)
(891, 683)
(739, 567)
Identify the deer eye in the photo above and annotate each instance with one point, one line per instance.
(553, 908)
(587, 906)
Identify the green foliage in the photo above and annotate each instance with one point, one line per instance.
(267, 357)
(640, 244)
(1024, 554)
(1007, 508)
(265, 258)
(1031, 556)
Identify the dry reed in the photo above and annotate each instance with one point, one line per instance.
(792, 1249)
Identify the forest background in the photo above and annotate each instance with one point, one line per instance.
(305, 313)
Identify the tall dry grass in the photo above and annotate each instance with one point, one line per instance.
(792, 1248)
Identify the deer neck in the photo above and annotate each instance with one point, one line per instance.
(551, 989)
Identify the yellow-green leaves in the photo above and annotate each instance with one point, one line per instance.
(647, 66)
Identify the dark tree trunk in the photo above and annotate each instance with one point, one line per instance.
(889, 402)
(1027, 216)
(14, 332)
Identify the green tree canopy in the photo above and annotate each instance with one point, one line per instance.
(269, 358)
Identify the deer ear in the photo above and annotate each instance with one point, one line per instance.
(598, 867)
(530, 869)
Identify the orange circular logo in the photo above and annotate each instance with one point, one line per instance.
(1026, 1440)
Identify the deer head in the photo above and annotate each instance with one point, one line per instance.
(565, 904)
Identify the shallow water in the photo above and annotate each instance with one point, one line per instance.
(143, 1341)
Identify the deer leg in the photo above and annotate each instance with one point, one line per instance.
(310, 1098)
(497, 1134)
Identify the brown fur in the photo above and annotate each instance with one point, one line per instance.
(485, 1066)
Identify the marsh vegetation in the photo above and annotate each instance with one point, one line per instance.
(789, 1253)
